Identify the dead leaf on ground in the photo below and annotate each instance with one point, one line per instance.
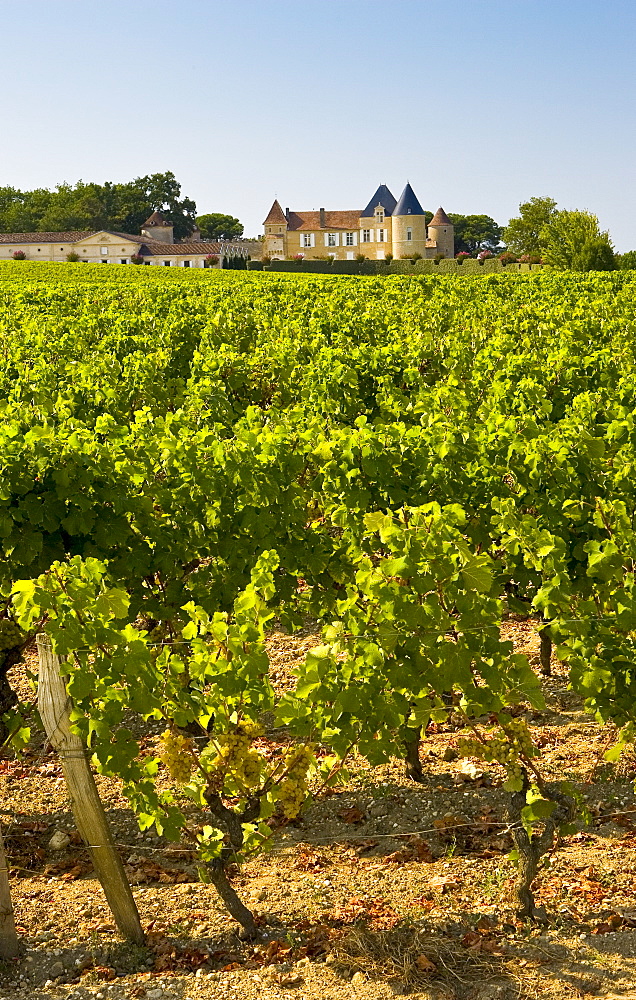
(424, 964)
(443, 883)
(352, 815)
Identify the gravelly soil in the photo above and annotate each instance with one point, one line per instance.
(383, 888)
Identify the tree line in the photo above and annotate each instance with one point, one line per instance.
(115, 207)
(567, 239)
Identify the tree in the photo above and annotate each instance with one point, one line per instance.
(573, 241)
(626, 261)
(522, 234)
(475, 232)
(216, 226)
(595, 255)
(92, 206)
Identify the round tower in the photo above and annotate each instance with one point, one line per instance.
(442, 233)
(408, 225)
(158, 228)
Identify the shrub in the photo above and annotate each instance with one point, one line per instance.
(412, 257)
(297, 257)
(462, 256)
(72, 257)
(360, 257)
(18, 255)
(484, 255)
(388, 257)
(438, 257)
(595, 255)
(136, 258)
(211, 260)
(507, 257)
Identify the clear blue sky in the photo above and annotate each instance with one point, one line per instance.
(481, 104)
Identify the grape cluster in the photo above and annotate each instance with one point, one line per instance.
(505, 747)
(176, 753)
(11, 635)
(292, 790)
(237, 759)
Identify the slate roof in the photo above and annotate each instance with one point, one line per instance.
(348, 219)
(381, 197)
(408, 203)
(276, 216)
(440, 219)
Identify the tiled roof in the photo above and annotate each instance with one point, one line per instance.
(43, 237)
(153, 248)
(440, 219)
(276, 216)
(348, 219)
(381, 197)
(157, 219)
(408, 203)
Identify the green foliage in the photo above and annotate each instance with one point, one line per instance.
(522, 235)
(216, 226)
(475, 232)
(595, 255)
(120, 207)
(572, 240)
(626, 261)
(186, 454)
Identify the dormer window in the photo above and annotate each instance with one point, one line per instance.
(379, 215)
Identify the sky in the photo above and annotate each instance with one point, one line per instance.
(480, 104)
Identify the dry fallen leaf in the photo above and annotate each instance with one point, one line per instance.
(424, 964)
(443, 882)
(351, 815)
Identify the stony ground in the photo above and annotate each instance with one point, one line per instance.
(384, 888)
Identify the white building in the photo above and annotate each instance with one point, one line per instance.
(155, 245)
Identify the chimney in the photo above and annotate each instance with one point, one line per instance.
(322, 218)
(287, 214)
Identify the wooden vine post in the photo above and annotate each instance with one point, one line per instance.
(10, 944)
(55, 707)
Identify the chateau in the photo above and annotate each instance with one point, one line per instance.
(155, 245)
(384, 226)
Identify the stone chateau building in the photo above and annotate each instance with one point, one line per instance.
(384, 226)
(155, 245)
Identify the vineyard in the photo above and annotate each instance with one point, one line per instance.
(341, 575)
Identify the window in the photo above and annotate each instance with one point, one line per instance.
(381, 235)
(366, 235)
(123, 261)
(306, 239)
(166, 263)
(103, 250)
(103, 262)
(186, 263)
(379, 215)
(409, 235)
(349, 239)
(331, 240)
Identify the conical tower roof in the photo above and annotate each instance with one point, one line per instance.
(440, 218)
(156, 219)
(408, 203)
(381, 197)
(276, 215)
